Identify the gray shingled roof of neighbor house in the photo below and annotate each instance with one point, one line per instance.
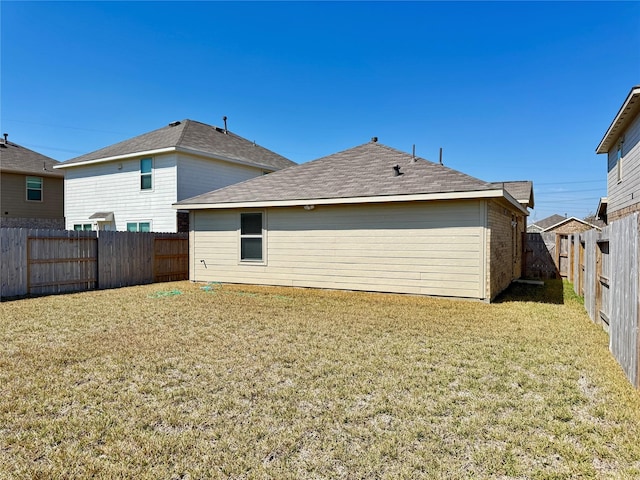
(550, 221)
(521, 190)
(363, 171)
(15, 158)
(191, 136)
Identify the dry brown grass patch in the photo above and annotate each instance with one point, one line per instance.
(257, 382)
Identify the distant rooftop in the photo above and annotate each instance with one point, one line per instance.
(15, 158)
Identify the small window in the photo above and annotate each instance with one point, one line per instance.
(619, 162)
(146, 166)
(34, 189)
(138, 226)
(82, 226)
(251, 237)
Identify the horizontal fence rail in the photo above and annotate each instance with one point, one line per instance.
(607, 277)
(43, 262)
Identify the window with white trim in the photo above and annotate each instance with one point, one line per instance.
(34, 189)
(146, 174)
(82, 226)
(138, 226)
(619, 162)
(251, 237)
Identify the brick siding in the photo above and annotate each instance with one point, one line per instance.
(623, 212)
(504, 247)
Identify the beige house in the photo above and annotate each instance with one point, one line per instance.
(31, 191)
(369, 218)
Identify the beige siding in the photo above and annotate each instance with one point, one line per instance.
(624, 195)
(433, 248)
(14, 203)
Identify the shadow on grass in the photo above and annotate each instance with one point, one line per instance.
(551, 292)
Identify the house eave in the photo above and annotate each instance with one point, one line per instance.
(118, 157)
(486, 194)
(159, 151)
(630, 108)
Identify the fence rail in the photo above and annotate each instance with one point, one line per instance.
(608, 265)
(42, 262)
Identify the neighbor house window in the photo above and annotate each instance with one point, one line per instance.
(251, 237)
(34, 189)
(146, 165)
(619, 162)
(81, 226)
(138, 226)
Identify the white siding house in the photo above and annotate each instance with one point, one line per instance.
(621, 143)
(133, 184)
(369, 218)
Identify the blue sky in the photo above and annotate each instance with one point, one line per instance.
(510, 91)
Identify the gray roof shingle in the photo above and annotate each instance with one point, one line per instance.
(363, 171)
(521, 190)
(15, 158)
(192, 135)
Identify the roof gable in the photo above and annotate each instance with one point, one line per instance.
(365, 171)
(190, 136)
(629, 110)
(549, 221)
(15, 158)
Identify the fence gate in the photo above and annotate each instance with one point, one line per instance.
(538, 259)
(61, 264)
(171, 258)
(602, 283)
(562, 247)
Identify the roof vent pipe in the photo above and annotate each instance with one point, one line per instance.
(396, 170)
(5, 137)
(413, 153)
(224, 119)
(441, 156)
(374, 139)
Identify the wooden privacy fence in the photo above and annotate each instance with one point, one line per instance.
(42, 262)
(604, 268)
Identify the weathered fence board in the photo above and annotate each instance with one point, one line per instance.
(41, 262)
(61, 261)
(13, 267)
(608, 280)
(125, 259)
(171, 259)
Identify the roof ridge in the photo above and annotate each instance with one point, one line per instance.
(186, 122)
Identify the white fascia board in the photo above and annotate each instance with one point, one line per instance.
(355, 200)
(119, 157)
(613, 131)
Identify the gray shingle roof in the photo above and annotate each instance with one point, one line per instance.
(192, 135)
(521, 190)
(550, 221)
(363, 171)
(15, 158)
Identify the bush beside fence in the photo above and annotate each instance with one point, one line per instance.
(42, 262)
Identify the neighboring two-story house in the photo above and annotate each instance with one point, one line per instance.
(131, 185)
(31, 190)
(621, 143)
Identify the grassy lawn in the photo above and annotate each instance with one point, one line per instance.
(251, 382)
